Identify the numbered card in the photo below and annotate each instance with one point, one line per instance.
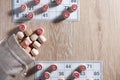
(46, 10)
(68, 70)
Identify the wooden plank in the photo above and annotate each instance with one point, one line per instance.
(95, 37)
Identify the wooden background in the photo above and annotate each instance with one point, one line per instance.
(95, 37)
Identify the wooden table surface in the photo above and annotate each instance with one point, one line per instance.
(95, 37)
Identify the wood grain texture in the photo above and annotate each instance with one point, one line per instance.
(95, 37)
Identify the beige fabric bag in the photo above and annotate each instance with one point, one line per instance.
(13, 59)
